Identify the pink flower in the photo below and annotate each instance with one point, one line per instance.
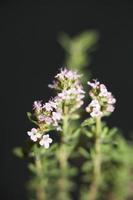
(34, 135)
(102, 102)
(37, 105)
(41, 118)
(103, 91)
(56, 116)
(48, 106)
(48, 120)
(94, 85)
(110, 108)
(111, 99)
(96, 112)
(67, 74)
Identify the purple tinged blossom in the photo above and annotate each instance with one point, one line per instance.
(46, 141)
(34, 134)
(37, 105)
(49, 115)
(102, 101)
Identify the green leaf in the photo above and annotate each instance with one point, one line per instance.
(32, 168)
(64, 40)
(18, 151)
(74, 116)
(84, 152)
(87, 166)
(104, 132)
(29, 115)
(87, 133)
(88, 122)
(76, 133)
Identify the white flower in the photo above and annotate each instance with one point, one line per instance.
(111, 99)
(66, 79)
(37, 105)
(95, 103)
(63, 95)
(94, 108)
(110, 108)
(102, 102)
(34, 134)
(41, 118)
(48, 120)
(53, 104)
(56, 116)
(54, 85)
(48, 106)
(103, 91)
(93, 85)
(96, 113)
(45, 141)
(64, 73)
(72, 75)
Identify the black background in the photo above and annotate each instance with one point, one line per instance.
(30, 56)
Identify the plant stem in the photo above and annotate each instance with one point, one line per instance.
(40, 193)
(93, 192)
(63, 160)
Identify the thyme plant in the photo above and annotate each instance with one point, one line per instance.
(71, 155)
(51, 156)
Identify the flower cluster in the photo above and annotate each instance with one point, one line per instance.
(35, 135)
(49, 116)
(102, 102)
(70, 90)
(65, 80)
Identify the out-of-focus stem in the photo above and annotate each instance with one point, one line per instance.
(93, 191)
(63, 160)
(40, 193)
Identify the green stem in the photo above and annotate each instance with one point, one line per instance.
(40, 194)
(65, 125)
(93, 192)
(63, 160)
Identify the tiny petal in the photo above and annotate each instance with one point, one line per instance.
(110, 108)
(34, 138)
(56, 116)
(103, 91)
(29, 133)
(48, 107)
(46, 145)
(34, 130)
(41, 118)
(45, 141)
(37, 106)
(93, 85)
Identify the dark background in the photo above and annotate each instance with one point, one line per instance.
(30, 56)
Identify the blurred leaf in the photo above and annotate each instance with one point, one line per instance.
(32, 168)
(88, 122)
(29, 115)
(87, 133)
(75, 116)
(84, 152)
(18, 151)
